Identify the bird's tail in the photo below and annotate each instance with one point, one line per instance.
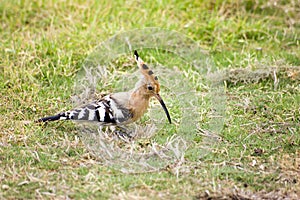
(60, 116)
(98, 111)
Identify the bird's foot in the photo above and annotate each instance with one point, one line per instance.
(123, 134)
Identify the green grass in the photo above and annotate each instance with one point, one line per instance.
(43, 45)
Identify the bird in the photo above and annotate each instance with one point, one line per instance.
(118, 109)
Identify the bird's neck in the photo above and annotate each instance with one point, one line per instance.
(139, 103)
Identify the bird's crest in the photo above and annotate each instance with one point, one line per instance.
(147, 73)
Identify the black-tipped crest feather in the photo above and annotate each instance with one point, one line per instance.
(136, 55)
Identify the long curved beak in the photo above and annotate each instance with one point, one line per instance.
(164, 106)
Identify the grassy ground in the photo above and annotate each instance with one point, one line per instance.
(43, 45)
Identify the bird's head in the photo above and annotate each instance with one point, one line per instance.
(149, 84)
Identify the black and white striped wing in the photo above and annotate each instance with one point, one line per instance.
(106, 111)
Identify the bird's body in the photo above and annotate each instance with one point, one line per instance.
(118, 108)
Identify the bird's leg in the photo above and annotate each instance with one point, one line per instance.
(123, 133)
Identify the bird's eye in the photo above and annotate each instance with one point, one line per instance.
(150, 87)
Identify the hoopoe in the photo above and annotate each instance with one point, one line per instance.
(121, 108)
